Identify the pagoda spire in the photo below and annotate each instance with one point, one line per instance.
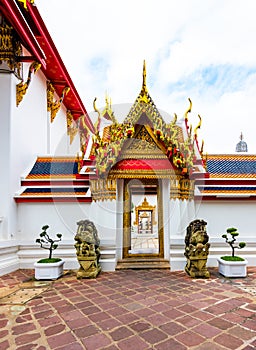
(242, 145)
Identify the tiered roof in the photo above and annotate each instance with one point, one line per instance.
(232, 166)
(54, 179)
(231, 176)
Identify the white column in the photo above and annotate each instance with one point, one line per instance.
(119, 218)
(166, 216)
(191, 211)
(183, 217)
(8, 209)
(48, 133)
(174, 216)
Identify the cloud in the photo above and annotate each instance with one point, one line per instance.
(204, 50)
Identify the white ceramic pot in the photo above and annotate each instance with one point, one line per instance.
(233, 268)
(48, 271)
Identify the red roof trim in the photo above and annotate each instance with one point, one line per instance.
(50, 46)
(72, 182)
(12, 12)
(197, 176)
(143, 164)
(228, 182)
(52, 200)
(39, 43)
(225, 198)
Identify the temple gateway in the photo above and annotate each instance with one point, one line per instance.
(140, 177)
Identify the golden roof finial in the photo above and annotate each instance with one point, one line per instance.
(144, 83)
(143, 97)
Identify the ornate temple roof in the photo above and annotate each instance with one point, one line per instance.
(231, 176)
(53, 167)
(232, 166)
(145, 135)
(53, 179)
(145, 168)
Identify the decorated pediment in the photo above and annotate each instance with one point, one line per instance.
(143, 144)
(143, 135)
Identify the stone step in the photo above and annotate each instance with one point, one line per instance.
(142, 263)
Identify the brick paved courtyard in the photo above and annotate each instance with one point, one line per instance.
(129, 309)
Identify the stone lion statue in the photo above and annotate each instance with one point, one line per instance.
(87, 232)
(197, 249)
(87, 249)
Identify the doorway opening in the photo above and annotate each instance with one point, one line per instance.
(143, 219)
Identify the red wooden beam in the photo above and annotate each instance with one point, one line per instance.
(13, 14)
(54, 52)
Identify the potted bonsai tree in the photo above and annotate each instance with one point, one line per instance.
(232, 265)
(48, 268)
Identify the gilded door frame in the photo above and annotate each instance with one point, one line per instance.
(127, 218)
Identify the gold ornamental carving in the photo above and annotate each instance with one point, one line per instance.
(24, 2)
(22, 87)
(103, 189)
(72, 128)
(54, 106)
(182, 188)
(148, 142)
(10, 49)
(186, 188)
(141, 174)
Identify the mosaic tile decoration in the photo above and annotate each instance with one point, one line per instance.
(53, 167)
(231, 166)
(53, 191)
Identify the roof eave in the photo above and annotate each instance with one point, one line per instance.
(13, 14)
(51, 47)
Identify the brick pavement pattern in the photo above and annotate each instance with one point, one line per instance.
(132, 309)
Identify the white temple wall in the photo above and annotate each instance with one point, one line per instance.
(27, 136)
(7, 226)
(181, 213)
(25, 133)
(59, 141)
(63, 218)
(220, 215)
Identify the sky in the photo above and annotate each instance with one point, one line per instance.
(204, 50)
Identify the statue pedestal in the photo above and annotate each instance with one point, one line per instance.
(89, 267)
(196, 267)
